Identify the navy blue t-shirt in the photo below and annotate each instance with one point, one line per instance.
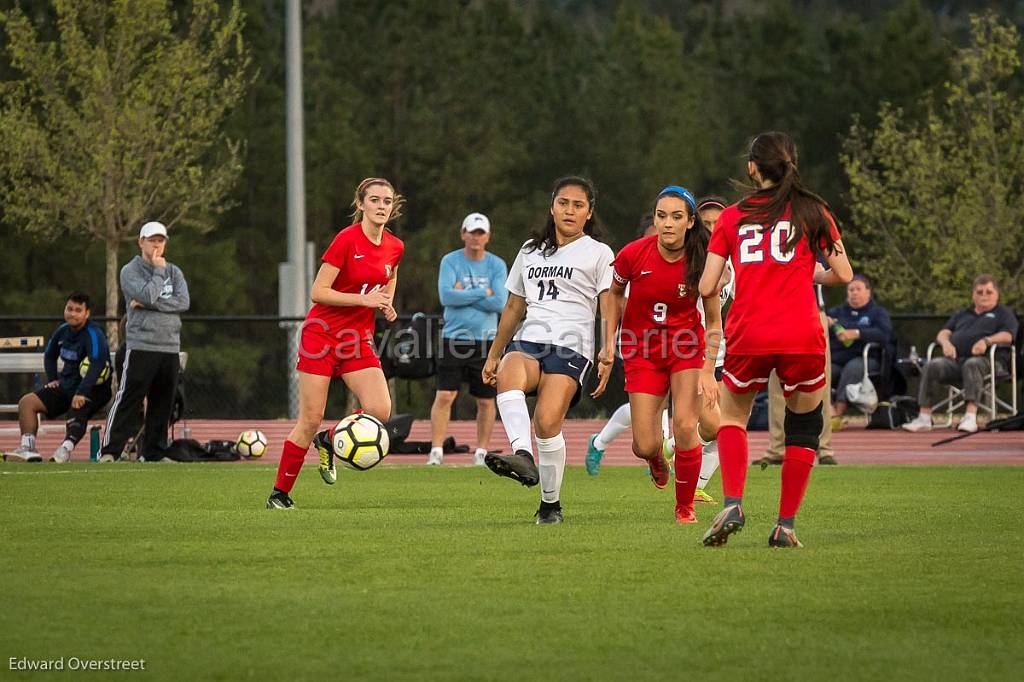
(969, 327)
(73, 347)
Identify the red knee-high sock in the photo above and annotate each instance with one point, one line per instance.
(796, 471)
(290, 465)
(733, 459)
(687, 464)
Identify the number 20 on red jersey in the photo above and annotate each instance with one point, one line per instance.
(752, 243)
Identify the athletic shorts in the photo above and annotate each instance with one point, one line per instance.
(462, 361)
(797, 372)
(555, 360)
(57, 402)
(325, 356)
(645, 375)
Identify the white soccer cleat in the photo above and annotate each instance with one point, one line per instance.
(478, 458)
(60, 455)
(435, 458)
(969, 423)
(25, 454)
(922, 422)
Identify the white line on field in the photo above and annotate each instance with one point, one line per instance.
(78, 471)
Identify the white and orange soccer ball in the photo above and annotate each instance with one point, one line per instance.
(360, 441)
(251, 444)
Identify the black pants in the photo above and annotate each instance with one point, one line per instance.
(147, 375)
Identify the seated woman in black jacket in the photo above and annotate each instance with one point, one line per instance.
(851, 325)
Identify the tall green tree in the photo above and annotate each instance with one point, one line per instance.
(938, 202)
(118, 120)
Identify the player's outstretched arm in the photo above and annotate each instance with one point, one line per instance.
(714, 266)
(511, 316)
(611, 303)
(707, 387)
(840, 271)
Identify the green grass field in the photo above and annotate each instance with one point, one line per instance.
(409, 573)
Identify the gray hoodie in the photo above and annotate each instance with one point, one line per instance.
(164, 294)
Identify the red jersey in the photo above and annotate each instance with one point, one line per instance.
(363, 266)
(659, 311)
(775, 310)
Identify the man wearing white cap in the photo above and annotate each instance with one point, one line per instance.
(155, 295)
(471, 286)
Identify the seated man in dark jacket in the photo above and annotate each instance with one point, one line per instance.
(852, 325)
(80, 389)
(965, 340)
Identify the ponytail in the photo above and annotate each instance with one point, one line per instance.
(775, 156)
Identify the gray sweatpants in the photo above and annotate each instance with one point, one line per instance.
(941, 372)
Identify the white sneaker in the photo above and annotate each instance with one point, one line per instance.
(25, 454)
(969, 423)
(60, 455)
(922, 422)
(435, 458)
(478, 458)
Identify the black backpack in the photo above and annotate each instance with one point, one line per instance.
(412, 352)
(894, 413)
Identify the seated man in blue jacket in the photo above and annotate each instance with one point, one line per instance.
(852, 325)
(81, 389)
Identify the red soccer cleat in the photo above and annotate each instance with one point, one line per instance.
(660, 471)
(685, 514)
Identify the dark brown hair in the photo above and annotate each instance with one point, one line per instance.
(80, 298)
(545, 239)
(775, 156)
(695, 244)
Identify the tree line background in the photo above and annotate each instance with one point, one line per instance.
(479, 105)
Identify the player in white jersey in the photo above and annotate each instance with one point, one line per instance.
(621, 420)
(555, 284)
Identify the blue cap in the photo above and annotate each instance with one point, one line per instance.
(682, 193)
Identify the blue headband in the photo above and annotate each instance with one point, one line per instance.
(682, 193)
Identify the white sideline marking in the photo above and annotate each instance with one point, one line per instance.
(56, 473)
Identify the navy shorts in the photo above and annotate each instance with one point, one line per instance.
(556, 360)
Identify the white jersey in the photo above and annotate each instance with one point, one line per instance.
(561, 293)
(725, 296)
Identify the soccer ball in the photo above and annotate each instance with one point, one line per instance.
(360, 441)
(251, 444)
(83, 369)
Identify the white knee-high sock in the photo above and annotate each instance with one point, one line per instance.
(708, 463)
(551, 456)
(621, 420)
(516, 419)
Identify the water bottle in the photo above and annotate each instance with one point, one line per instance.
(186, 432)
(94, 443)
(836, 329)
(915, 359)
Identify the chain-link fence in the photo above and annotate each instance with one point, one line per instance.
(238, 366)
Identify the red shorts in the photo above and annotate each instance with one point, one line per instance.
(797, 372)
(644, 375)
(328, 356)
